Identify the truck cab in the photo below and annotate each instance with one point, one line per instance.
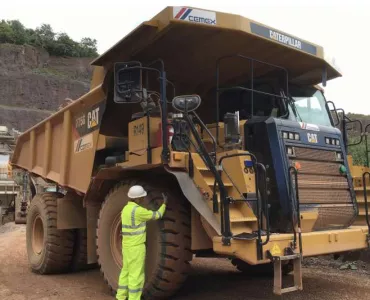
(298, 131)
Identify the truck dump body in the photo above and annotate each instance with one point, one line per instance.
(62, 147)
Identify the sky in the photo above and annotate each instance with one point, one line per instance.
(341, 27)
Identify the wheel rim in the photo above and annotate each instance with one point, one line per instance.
(116, 240)
(37, 235)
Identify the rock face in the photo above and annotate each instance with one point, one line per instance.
(33, 84)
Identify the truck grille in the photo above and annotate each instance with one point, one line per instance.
(323, 189)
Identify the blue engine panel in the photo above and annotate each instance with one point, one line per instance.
(274, 141)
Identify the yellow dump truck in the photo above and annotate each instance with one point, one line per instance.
(220, 112)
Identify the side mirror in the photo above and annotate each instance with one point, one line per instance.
(127, 82)
(186, 103)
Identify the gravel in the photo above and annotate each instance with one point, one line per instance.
(210, 279)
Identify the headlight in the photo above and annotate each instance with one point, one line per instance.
(291, 135)
(290, 150)
(332, 141)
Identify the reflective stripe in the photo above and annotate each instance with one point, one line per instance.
(133, 215)
(135, 291)
(154, 214)
(134, 227)
(160, 215)
(134, 233)
(123, 287)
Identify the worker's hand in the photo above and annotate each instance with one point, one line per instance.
(164, 198)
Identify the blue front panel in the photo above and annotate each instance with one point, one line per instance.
(310, 137)
(320, 172)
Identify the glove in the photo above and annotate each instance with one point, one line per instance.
(164, 198)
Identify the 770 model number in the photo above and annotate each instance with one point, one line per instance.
(81, 121)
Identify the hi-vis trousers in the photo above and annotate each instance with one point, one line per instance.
(132, 278)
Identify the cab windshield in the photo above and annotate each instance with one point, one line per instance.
(308, 106)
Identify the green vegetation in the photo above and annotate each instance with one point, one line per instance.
(58, 44)
(358, 152)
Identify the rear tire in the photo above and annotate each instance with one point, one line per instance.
(19, 219)
(79, 259)
(49, 249)
(168, 240)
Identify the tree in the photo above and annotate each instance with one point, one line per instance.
(6, 33)
(64, 46)
(88, 47)
(19, 32)
(45, 36)
(61, 44)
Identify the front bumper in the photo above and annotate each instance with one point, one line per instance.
(313, 244)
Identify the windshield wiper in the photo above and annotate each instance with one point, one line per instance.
(295, 110)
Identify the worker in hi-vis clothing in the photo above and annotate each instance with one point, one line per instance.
(134, 217)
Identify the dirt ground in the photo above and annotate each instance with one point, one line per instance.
(210, 279)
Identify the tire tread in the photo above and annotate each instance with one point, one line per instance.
(58, 245)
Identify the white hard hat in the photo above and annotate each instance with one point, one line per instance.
(136, 191)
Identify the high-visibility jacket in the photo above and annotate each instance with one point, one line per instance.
(132, 277)
(134, 218)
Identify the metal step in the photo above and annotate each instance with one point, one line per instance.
(278, 278)
(210, 182)
(242, 219)
(243, 200)
(245, 236)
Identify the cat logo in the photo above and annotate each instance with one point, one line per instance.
(93, 118)
(312, 138)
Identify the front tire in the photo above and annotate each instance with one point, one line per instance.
(49, 249)
(168, 240)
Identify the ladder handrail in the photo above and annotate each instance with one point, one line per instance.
(267, 213)
(225, 226)
(204, 127)
(298, 211)
(361, 130)
(365, 199)
(345, 120)
(367, 145)
(256, 165)
(332, 110)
